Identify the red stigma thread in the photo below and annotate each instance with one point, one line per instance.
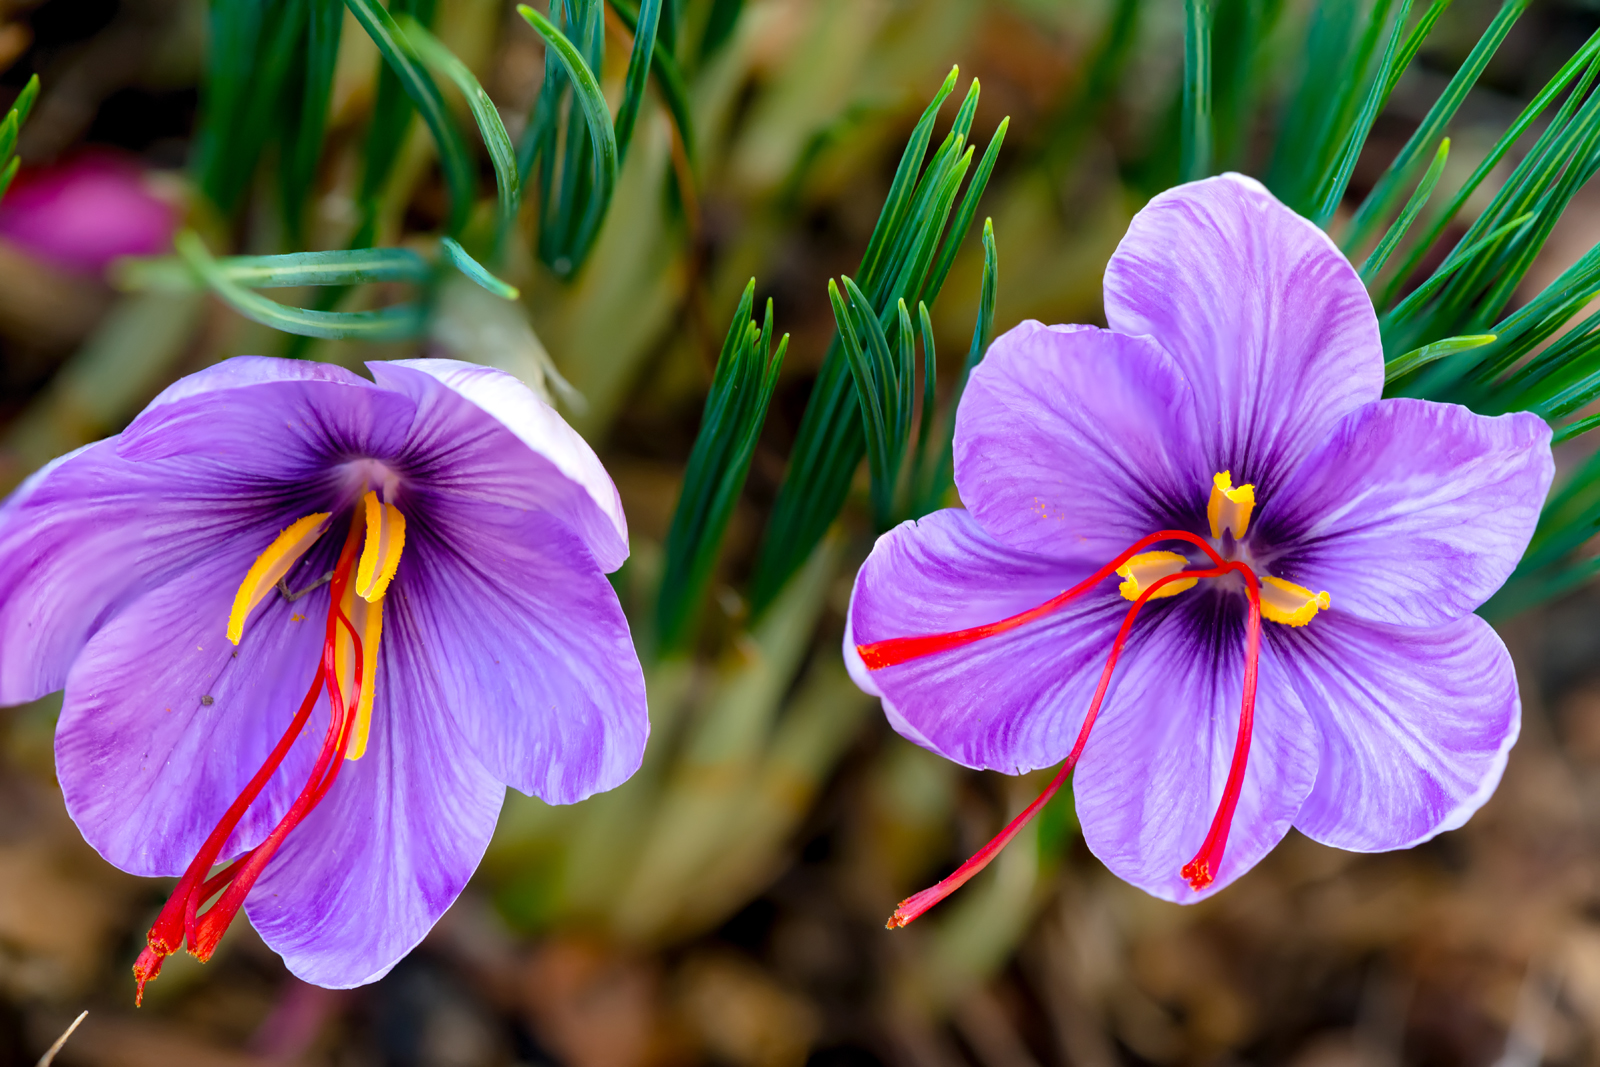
(180, 918)
(898, 650)
(1200, 871)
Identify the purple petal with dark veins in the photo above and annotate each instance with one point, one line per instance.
(1157, 761)
(221, 462)
(360, 882)
(1416, 725)
(147, 766)
(1412, 512)
(1263, 314)
(527, 647)
(1075, 442)
(1011, 703)
(523, 455)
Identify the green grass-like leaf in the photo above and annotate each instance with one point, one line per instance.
(1388, 185)
(639, 62)
(302, 147)
(475, 270)
(906, 257)
(496, 140)
(387, 324)
(1401, 366)
(1391, 240)
(1196, 159)
(576, 197)
(736, 407)
(420, 87)
(1338, 175)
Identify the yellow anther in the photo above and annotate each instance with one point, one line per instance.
(1290, 604)
(284, 552)
(1229, 508)
(386, 538)
(367, 619)
(1148, 567)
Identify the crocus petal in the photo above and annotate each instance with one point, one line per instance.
(269, 421)
(554, 470)
(1157, 761)
(164, 721)
(1416, 725)
(1075, 442)
(371, 869)
(1012, 702)
(240, 371)
(1263, 313)
(1412, 512)
(189, 478)
(527, 646)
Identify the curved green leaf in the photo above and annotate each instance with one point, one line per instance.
(597, 117)
(490, 125)
(1400, 366)
(386, 324)
(398, 53)
(475, 270)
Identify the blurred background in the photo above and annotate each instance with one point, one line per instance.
(727, 906)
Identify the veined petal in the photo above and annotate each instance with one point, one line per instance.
(164, 721)
(361, 881)
(526, 642)
(1158, 758)
(1416, 725)
(1075, 442)
(229, 456)
(1412, 512)
(94, 532)
(253, 418)
(1013, 702)
(1262, 312)
(554, 469)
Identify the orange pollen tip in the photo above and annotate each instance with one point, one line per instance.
(1197, 873)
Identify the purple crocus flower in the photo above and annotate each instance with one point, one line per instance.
(86, 211)
(1224, 449)
(313, 625)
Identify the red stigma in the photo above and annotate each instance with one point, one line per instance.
(181, 919)
(1200, 871)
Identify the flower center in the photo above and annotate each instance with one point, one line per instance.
(347, 670)
(1228, 513)
(1146, 575)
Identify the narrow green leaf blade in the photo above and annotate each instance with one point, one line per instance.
(1391, 240)
(475, 270)
(1400, 366)
(387, 324)
(1196, 162)
(502, 154)
(402, 59)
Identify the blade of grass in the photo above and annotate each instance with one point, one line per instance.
(1196, 161)
(1391, 240)
(475, 270)
(496, 140)
(459, 173)
(1377, 202)
(1401, 366)
(387, 324)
